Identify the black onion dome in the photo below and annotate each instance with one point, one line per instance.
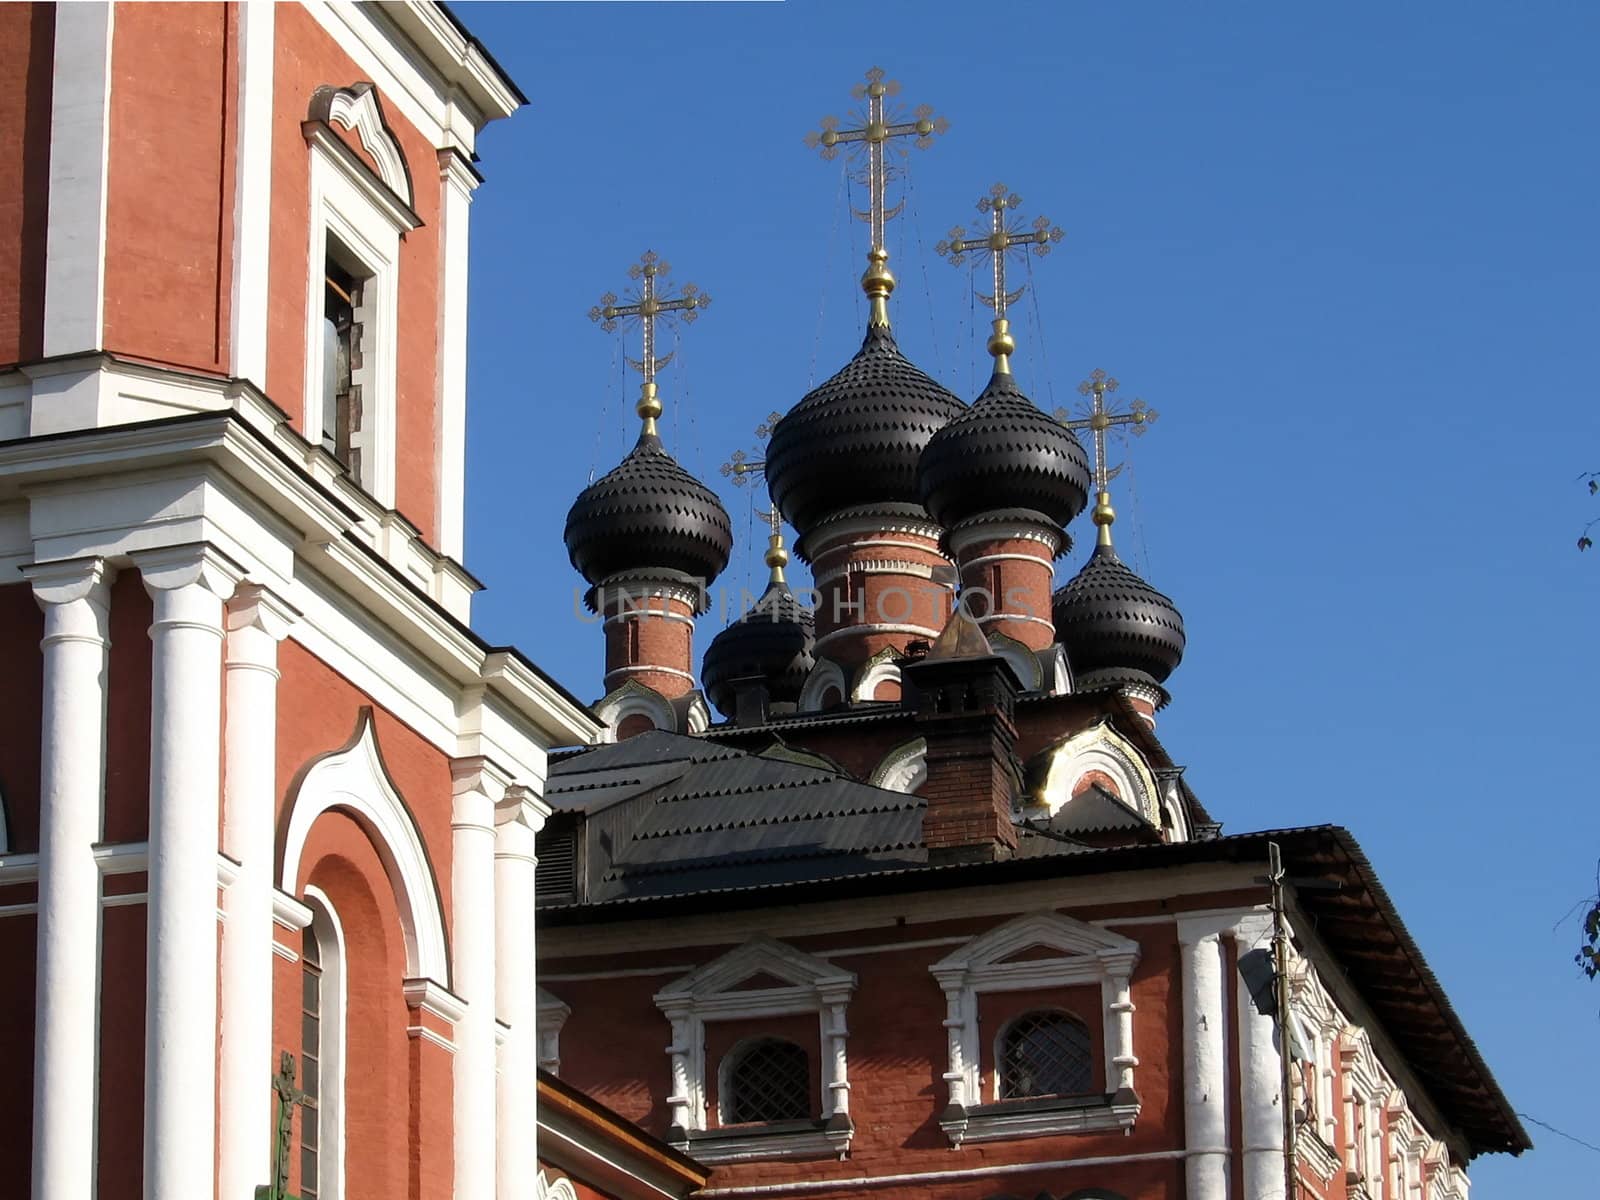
(1003, 453)
(648, 513)
(854, 441)
(775, 640)
(1115, 627)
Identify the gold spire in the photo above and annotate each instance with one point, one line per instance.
(648, 307)
(1004, 237)
(1099, 419)
(876, 130)
(777, 558)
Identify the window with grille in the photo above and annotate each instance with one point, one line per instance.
(767, 1080)
(310, 1060)
(1045, 1054)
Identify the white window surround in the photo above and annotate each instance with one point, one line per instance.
(354, 780)
(329, 933)
(903, 769)
(553, 1013)
(561, 1189)
(825, 674)
(880, 668)
(1086, 955)
(807, 985)
(1022, 661)
(630, 698)
(363, 212)
(1100, 748)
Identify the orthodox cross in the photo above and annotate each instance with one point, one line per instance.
(648, 307)
(740, 466)
(288, 1096)
(878, 125)
(1005, 236)
(1100, 418)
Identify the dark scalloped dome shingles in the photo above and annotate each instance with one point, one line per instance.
(854, 441)
(648, 513)
(1003, 453)
(1115, 627)
(776, 639)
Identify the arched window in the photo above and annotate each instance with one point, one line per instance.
(766, 1079)
(322, 1052)
(1044, 1054)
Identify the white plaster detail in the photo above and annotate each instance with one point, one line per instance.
(252, 204)
(1100, 748)
(697, 714)
(808, 984)
(825, 674)
(634, 697)
(353, 780)
(356, 108)
(1086, 954)
(1023, 661)
(457, 181)
(561, 1189)
(877, 670)
(903, 769)
(552, 1015)
(329, 933)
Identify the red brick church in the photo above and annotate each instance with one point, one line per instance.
(310, 892)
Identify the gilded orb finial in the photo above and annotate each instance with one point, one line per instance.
(647, 305)
(777, 558)
(1005, 236)
(1100, 418)
(871, 142)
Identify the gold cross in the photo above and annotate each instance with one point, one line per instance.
(648, 308)
(878, 126)
(1004, 237)
(1100, 419)
(740, 466)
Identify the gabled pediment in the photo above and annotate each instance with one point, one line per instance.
(762, 966)
(1045, 946)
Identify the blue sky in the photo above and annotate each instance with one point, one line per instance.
(1348, 251)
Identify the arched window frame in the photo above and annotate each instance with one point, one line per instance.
(1084, 954)
(713, 992)
(328, 933)
(998, 1049)
(735, 1055)
(1100, 749)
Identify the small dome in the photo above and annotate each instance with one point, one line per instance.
(775, 640)
(1003, 453)
(854, 441)
(648, 513)
(1115, 627)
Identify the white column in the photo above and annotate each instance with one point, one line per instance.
(835, 1037)
(252, 205)
(457, 181)
(955, 1032)
(256, 622)
(75, 234)
(1260, 1079)
(75, 598)
(680, 1109)
(477, 787)
(518, 820)
(1205, 1079)
(188, 585)
(1119, 1003)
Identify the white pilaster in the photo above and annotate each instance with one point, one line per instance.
(1205, 1082)
(1119, 1003)
(518, 820)
(256, 621)
(1260, 1079)
(457, 182)
(955, 1025)
(252, 209)
(188, 585)
(679, 1115)
(75, 598)
(478, 787)
(836, 1033)
(75, 235)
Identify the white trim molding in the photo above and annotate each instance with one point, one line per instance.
(825, 674)
(358, 109)
(553, 1013)
(1085, 954)
(632, 697)
(355, 781)
(805, 984)
(1100, 748)
(903, 769)
(880, 668)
